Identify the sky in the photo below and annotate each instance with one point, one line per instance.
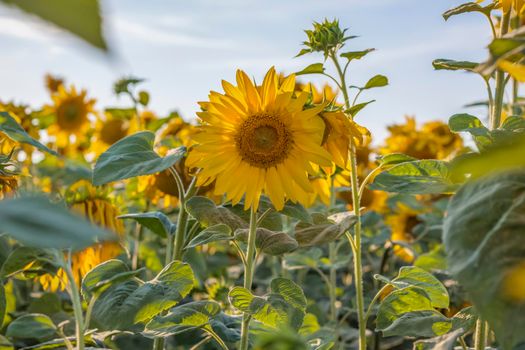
(184, 48)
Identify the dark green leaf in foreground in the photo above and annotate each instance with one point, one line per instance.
(31, 326)
(156, 221)
(128, 303)
(79, 17)
(485, 245)
(197, 314)
(36, 222)
(133, 156)
(13, 130)
(417, 177)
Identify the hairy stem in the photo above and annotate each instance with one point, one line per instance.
(77, 304)
(248, 275)
(356, 203)
(495, 118)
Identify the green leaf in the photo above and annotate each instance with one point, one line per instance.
(471, 124)
(444, 64)
(323, 230)
(155, 221)
(485, 245)
(417, 177)
(358, 107)
(444, 342)
(79, 17)
(393, 159)
(401, 302)
(128, 303)
(183, 318)
(269, 242)
(427, 323)
(5, 344)
(133, 156)
(215, 233)
(285, 305)
(44, 261)
(104, 275)
(432, 260)
(31, 326)
(356, 55)
(412, 276)
(13, 130)
(468, 7)
(514, 123)
(36, 222)
(208, 214)
(376, 81)
(316, 68)
(465, 319)
(502, 156)
(143, 98)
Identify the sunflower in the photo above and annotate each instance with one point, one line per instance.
(98, 209)
(402, 222)
(71, 110)
(8, 176)
(433, 140)
(259, 139)
(52, 83)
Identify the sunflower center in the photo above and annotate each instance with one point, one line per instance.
(263, 140)
(71, 115)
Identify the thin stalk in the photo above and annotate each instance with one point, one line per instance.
(356, 203)
(201, 343)
(248, 275)
(181, 223)
(216, 338)
(333, 283)
(89, 311)
(495, 118)
(480, 339)
(515, 89)
(77, 304)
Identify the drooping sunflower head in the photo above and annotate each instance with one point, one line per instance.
(259, 139)
(98, 208)
(53, 83)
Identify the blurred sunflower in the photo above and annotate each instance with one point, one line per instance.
(71, 110)
(8, 176)
(98, 208)
(52, 83)
(433, 141)
(401, 222)
(108, 130)
(259, 139)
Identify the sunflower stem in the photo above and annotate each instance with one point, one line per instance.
(480, 335)
(356, 203)
(248, 275)
(77, 304)
(495, 118)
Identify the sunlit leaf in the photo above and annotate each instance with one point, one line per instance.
(13, 130)
(315, 68)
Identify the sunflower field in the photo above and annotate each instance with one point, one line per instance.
(273, 219)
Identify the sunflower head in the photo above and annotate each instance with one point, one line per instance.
(8, 176)
(113, 130)
(259, 139)
(325, 37)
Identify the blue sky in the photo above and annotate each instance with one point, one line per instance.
(184, 49)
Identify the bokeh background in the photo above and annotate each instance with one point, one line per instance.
(185, 48)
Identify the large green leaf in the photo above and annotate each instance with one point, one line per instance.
(323, 230)
(197, 314)
(472, 125)
(269, 242)
(411, 306)
(485, 245)
(13, 130)
(215, 233)
(285, 305)
(417, 277)
(128, 303)
(156, 221)
(104, 275)
(503, 156)
(417, 177)
(133, 156)
(79, 17)
(31, 326)
(36, 222)
(43, 261)
(208, 214)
